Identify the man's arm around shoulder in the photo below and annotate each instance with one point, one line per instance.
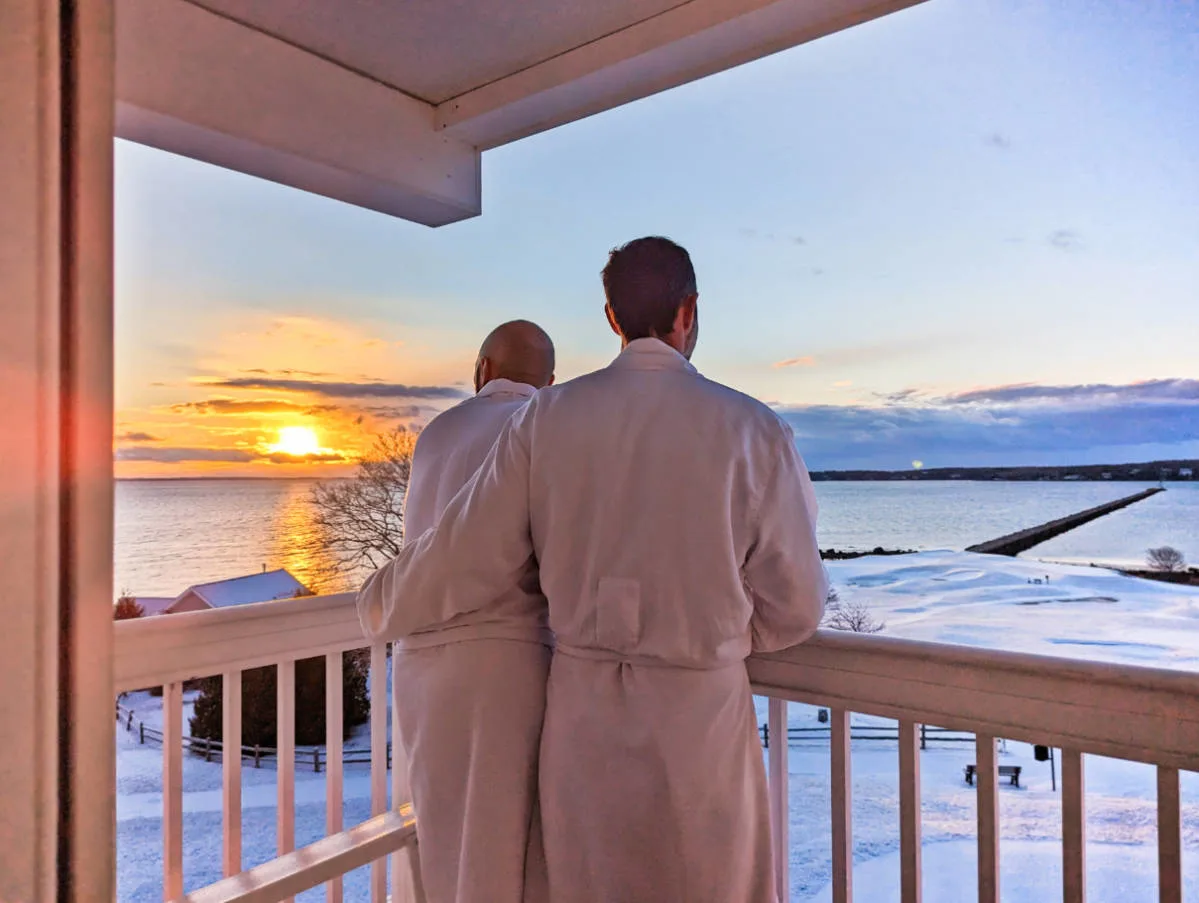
(479, 548)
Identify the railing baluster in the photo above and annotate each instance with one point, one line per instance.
(378, 693)
(334, 725)
(988, 819)
(911, 878)
(231, 771)
(1074, 838)
(780, 802)
(1169, 836)
(172, 791)
(285, 752)
(405, 867)
(842, 798)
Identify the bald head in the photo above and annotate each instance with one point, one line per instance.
(517, 350)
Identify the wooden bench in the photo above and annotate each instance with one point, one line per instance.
(1005, 771)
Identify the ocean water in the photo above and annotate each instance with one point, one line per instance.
(171, 534)
(957, 514)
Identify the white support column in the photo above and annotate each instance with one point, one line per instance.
(378, 694)
(1169, 837)
(231, 771)
(334, 769)
(1074, 828)
(911, 876)
(172, 791)
(842, 801)
(780, 802)
(988, 819)
(285, 762)
(56, 761)
(405, 864)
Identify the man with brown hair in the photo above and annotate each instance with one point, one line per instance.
(674, 524)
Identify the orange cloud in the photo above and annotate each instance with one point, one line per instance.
(345, 381)
(246, 407)
(805, 361)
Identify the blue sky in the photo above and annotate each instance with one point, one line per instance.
(963, 196)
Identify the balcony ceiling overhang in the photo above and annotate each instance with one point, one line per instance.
(388, 104)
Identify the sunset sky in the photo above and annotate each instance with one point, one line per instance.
(965, 234)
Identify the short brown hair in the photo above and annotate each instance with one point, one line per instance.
(645, 281)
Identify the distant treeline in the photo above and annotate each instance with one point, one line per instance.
(1148, 472)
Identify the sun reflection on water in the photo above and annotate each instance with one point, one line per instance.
(295, 544)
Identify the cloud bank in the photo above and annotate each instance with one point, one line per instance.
(247, 406)
(177, 455)
(342, 389)
(1013, 425)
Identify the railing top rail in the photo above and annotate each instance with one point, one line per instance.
(1121, 710)
(844, 643)
(156, 650)
(1124, 711)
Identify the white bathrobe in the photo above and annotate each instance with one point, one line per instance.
(472, 691)
(674, 523)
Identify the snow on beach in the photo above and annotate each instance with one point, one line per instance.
(950, 597)
(988, 601)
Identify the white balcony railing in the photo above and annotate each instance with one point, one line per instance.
(1124, 712)
(168, 650)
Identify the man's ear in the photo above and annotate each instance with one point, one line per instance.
(684, 318)
(612, 320)
(551, 382)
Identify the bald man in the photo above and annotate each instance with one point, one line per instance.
(472, 692)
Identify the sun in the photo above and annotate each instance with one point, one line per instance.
(297, 441)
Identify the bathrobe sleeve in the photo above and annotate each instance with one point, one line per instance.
(783, 571)
(479, 548)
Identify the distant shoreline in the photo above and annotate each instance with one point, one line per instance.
(1181, 471)
(1145, 472)
(283, 478)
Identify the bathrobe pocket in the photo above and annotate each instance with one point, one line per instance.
(618, 614)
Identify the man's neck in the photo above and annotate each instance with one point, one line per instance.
(670, 341)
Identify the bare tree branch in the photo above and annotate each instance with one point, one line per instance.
(852, 616)
(359, 521)
(1166, 558)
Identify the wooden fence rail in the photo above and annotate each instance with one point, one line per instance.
(869, 732)
(316, 758)
(311, 757)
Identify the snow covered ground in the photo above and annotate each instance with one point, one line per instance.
(951, 597)
(139, 811)
(986, 600)
(1030, 871)
(1121, 817)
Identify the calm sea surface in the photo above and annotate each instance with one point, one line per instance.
(173, 533)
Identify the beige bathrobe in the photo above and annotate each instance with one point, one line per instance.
(472, 691)
(674, 523)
